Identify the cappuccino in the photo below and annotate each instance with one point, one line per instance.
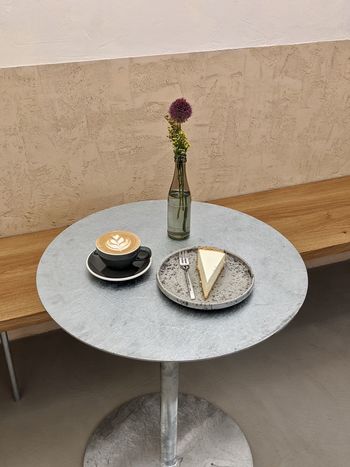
(118, 242)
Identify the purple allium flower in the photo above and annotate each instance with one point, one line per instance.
(180, 110)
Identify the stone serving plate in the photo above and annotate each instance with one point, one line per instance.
(234, 284)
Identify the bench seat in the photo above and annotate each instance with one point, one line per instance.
(315, 217)
(20, 304)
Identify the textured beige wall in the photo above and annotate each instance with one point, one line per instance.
(79, 137)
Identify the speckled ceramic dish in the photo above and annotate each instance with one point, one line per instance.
(234, 284)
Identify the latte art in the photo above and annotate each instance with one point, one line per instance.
(118, 242)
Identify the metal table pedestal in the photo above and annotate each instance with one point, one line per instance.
(170, 431)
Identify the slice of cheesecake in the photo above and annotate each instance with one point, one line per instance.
(210, 263)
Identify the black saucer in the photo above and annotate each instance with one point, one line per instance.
(98, 268)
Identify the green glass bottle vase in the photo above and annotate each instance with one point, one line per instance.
(179, 202)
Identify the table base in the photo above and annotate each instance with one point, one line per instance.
(129, 436)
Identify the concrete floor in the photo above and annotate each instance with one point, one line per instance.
(290, 395)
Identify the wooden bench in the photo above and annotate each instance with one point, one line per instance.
(315, 217)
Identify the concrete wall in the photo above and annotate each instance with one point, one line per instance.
(79, 137)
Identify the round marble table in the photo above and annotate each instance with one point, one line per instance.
(135, 320)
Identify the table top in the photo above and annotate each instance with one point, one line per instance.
(136, 320)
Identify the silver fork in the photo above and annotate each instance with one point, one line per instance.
(185, 265)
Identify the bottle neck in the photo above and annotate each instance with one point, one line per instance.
(180, 177)
(180, 159)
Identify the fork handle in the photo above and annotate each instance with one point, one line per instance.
(190, 287)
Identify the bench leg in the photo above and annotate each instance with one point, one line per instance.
(9, 362)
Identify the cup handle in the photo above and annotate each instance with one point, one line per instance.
(143, 254)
